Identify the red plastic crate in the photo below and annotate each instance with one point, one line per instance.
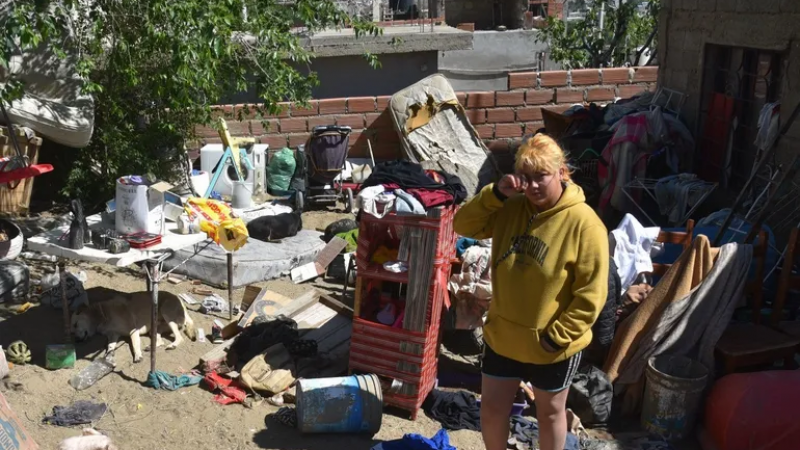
(373, 232)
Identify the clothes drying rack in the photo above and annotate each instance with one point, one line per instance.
(648, 185)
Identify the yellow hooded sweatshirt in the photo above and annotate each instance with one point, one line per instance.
(549, 272)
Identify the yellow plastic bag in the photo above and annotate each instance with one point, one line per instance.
(218, 222)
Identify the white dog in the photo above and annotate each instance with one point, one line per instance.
(90, 440)
(129, 315)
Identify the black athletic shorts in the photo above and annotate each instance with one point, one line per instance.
(547, 377)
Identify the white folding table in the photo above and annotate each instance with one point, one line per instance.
(53, 242)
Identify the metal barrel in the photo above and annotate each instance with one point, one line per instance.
(672, 396)
(351, 404)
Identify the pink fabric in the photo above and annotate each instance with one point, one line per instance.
(626, 159)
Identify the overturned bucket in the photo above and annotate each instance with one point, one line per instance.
(351, 404)
(672, 395)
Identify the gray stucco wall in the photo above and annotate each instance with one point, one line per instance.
(687, 26)
(493, 55)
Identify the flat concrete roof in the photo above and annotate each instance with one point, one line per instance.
(395, 39)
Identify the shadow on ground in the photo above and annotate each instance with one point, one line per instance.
(280, 437)
(41, 326)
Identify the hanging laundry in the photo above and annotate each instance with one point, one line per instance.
(678, 193)
(768, 125)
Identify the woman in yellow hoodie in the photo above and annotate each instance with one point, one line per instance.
(549, 283)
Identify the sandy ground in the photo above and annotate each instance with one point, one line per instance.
(142, 418)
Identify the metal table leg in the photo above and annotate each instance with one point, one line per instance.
(61, 266)
(229, 257)
(153, 269)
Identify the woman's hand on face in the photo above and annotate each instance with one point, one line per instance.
(511, 184)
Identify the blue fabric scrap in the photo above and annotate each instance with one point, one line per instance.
(441, 441)
(162, 380)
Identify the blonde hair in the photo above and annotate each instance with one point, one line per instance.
(542, 154)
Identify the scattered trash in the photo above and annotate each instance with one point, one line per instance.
(201, 335)
(525, 435)
(312, 270)
(92, 373)
(269, 372)
(276, 400)
(230, 391)
(441, 441)
(396, 266)
(214, 303)
(202, 291)
(38, 257)
(90, 439)
(60, 356)
(3, 364)
(76, 294)
(48, 281)
(216, 332)
(287, 416)
(12, 434)
(19, 309)
(290, 395)
(188, 299)
(176, 278)
(163, 380)
(18, 353)
(79, 413)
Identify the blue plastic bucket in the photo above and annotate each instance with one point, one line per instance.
(351, 404)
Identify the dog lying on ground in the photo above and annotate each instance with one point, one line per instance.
(129, 315)
(273, 228)
(340, 226)
(90, 440)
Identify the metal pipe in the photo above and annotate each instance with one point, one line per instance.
(153, 275)
(229, 257)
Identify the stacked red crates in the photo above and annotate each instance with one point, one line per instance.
(408, 357)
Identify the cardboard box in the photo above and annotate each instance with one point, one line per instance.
(13, 435)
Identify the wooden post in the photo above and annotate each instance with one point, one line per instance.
(62, 272)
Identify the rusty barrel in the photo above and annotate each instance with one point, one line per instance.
(672, 395)
(351, 404)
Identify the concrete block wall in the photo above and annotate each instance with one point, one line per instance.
(686, 27)
(498, 116)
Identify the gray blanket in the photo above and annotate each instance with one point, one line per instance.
(692, 325)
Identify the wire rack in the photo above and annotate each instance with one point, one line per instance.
(699, 190)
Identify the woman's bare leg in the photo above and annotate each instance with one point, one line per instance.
(497, 398)
(551, 413)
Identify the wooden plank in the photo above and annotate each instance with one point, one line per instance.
(251, 293)
(336, 305)
(266, 303)
(290, 310)
(314, 317)
(324, 259)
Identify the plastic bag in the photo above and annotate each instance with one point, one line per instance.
(590, 396)
(218, 222)
(281, 169)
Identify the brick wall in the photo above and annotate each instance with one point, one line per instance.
(498, 116)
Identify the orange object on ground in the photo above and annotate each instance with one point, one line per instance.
(755, 411)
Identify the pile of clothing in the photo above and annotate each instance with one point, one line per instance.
(406, 188)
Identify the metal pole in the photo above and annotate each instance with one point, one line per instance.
(229, 256)
(62, 272)
(153, 273)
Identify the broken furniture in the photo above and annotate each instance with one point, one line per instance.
(403, 353)
(684, 239)
(16, 165)
(433, 126)
(52, 243)
(744, 345)
(16, 197)
(788, 282)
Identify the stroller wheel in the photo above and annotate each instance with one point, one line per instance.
(348, 200)
(299, 202)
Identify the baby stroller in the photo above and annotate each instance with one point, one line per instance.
(327, 154)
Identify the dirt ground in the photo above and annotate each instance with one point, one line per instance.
(142, 418)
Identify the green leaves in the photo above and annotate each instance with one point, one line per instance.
(625, 33)
(155, 68)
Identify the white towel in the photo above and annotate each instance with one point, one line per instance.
(632, 244)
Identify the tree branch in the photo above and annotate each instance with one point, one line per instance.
(646, 45)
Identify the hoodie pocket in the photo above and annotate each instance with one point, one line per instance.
(513, 340)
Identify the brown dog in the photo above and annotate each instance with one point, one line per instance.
(129, 315)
